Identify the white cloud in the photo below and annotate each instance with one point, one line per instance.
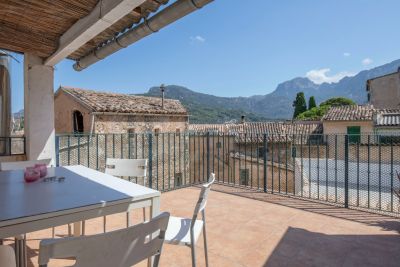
(346, 54)
(198, 39)
(367, 61)
(319, 76)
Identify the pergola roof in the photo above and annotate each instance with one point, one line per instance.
(35, 26)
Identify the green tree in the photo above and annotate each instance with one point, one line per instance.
(299, 104)
(338, 101)
(311, 103)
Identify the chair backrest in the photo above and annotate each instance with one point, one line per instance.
(20, 165)
(121, 248)
(126, 167)
(202, 202)
(7, 256)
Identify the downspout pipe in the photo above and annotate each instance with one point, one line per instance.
(155, 23)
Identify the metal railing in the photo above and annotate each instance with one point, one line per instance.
(12, 146)
(345, 170)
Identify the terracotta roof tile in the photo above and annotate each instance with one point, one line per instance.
(350, 113)
(124, 103)
(253, 131)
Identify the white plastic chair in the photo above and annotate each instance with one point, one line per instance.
(186, 232)
(121, 248)
(126, 168)
(7, 256)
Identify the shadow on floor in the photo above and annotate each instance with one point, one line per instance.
(299, 247)
(385, 222)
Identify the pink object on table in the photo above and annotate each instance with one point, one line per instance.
(42, 168)
(31, 174)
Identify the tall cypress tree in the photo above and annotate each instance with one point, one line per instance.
(311, 103)
(300, 104)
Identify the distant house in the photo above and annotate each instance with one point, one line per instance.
(87, 111)
(353, 120)
(237, 150)
(384, 91)
(387, 122)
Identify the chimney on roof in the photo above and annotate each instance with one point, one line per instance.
(242, 119)
(162, 88)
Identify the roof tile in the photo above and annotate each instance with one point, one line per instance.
(124, 103)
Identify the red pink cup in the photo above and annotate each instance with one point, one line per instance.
(31, 174)
(42, 168)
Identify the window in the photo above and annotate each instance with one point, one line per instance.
(244, 176)
(260, 151)
(131, 130)
(354, 134)
(157, 131)
(369, 97)
(219, 145)
(178, 179)
(78, 121)
(178, 131)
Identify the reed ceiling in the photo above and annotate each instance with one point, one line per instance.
(35, 26)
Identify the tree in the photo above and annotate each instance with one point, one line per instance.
(338, 101)
(311, 103)
(316, 113)
(299, 104)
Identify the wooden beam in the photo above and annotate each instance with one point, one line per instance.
(105, 14)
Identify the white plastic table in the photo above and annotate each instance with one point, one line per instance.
(84, 194)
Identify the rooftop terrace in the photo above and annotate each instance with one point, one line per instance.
(248, 228)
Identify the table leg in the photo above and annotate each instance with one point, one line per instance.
(77, 228)
(154, 211)
(20, 251)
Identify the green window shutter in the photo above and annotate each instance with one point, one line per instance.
(244, 176)
(354, 133)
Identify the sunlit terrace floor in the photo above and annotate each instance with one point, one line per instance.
(257, 229)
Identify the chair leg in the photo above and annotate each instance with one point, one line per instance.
(69, 230)
(128, 219)
(193, 247)
(104, 224)
(156, 260)
(83, 227)
(205, 243)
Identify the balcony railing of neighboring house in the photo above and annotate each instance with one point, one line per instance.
(354, 172)
(12, 146)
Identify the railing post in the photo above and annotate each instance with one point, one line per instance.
(346, 171)
(208, 155)
(265, 161)
(150, 137)
(57, 151)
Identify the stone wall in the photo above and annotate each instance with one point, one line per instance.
(385, 91)
(140, 123)
(64, 106)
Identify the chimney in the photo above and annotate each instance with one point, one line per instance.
(162, 88)
(242, 119)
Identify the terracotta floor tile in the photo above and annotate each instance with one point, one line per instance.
(267, 230)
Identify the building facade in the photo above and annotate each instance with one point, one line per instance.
(87, 111)
(384, 92)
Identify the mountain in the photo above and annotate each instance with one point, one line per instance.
(205, 108)
(18, 114)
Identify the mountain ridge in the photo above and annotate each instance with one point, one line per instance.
(274, 105)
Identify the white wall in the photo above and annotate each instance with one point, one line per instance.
(315, 174)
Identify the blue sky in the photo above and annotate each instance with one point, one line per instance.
(243, 48)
